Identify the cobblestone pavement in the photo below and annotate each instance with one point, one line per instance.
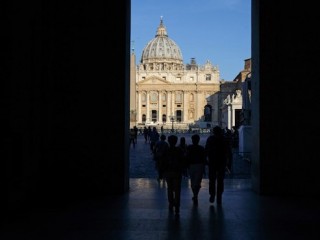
(143, 166)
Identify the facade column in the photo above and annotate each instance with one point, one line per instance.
(147, 106)
(233, 120)
(185, 106)
(172, 113)
(168, 106)
(159, 107)
(229, 116)
(138, 107)
(197, 101)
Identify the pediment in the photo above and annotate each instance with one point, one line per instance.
(153, 80)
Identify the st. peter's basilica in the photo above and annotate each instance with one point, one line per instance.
(164, 90)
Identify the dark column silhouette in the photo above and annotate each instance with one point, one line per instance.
(65, 96)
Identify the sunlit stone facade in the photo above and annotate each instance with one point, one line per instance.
(168, 91)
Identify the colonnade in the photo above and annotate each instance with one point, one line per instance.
(167, 103)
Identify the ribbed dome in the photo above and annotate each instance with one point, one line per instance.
(161, 48)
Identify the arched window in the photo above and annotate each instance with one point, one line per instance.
(164, 118)
(144, 118)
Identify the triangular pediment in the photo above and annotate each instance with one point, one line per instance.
(153, 80)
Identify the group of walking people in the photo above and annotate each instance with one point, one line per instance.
(174, 162)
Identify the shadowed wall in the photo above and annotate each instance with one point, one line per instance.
(65, 99)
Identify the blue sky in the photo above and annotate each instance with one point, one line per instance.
(214, 30)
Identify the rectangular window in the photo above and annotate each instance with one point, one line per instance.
(208, 77)
(154, 115)
(179, 115)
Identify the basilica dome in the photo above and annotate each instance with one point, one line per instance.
(161, 49)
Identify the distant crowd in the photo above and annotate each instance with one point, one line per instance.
(174, 160)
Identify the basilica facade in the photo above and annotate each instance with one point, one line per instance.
(164, 90)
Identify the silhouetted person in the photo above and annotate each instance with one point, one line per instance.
(149, 133)
(154, 138)
(173, 166)
(132, 140)
(217, 152)
(135, 133)
(196, 157)
(145, 134)
(160, 153)
(183, 145)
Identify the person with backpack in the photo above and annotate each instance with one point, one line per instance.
(160, 152)
(173, 166)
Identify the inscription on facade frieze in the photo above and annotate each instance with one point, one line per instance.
(153, 105)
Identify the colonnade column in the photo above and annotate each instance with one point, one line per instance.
(233, 120)
(148, 107)
(229, 116)
(159, 107)
(138, 108)
(168, 106)
(185, 106)
(172, 113)
(197, 105)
